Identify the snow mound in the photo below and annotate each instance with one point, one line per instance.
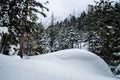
(81, 59)
(71, 64)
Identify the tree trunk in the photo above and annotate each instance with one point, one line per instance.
(24, 25)
(5, 46)
(22, 38)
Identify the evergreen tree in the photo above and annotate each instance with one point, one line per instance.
(68, 36)
(4, 19)
(102, 21)
(44, 42)
(18, 16)
(28, 9)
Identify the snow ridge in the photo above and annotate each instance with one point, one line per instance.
(71, 64)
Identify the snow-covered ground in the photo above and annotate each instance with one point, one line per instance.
(72, 64)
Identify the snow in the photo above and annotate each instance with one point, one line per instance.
(118, 67)
(71, 64)
(4, 30)
(109, 27)
(14, 49)
(84, 46)
(118, 70)
(117, 53)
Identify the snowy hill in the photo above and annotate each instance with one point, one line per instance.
(72, 64)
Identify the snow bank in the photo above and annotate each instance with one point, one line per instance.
(72, 64)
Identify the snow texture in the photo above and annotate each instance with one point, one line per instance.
(71, 64)
(4, 30)
(14, 49)
(109, 27)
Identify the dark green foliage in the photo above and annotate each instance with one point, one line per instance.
(20, 17)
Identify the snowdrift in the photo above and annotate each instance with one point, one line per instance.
(71, 64)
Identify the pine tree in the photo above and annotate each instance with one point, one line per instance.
(102, 21)
(44, 42)
(27, 10)
(4, 19)
(67, 37)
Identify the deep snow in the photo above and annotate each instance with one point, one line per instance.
(72, 64)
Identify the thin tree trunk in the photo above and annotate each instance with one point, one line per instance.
(24, 25)
(22, 38)
(5, 45)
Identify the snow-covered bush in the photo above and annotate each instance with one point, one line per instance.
(14, 49)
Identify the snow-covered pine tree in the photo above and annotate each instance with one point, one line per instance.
(116, 38)
(67, 37)
(4, 19)
(82, 25)
(38, 42)
(28, 9)
(59, 38)
(1, 14)
(74, 35)
(102, 21)
(44, 42)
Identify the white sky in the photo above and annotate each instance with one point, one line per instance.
(63, 8)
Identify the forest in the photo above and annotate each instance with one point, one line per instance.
(97, 29)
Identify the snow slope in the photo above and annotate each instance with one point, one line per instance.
(72, 64)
